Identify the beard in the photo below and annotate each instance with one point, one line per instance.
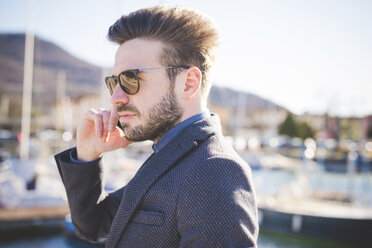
(160, 118)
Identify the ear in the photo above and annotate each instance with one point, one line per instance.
(192, 82)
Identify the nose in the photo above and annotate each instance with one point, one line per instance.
(119, 96)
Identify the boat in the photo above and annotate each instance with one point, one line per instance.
(32, 198)
(29, 221)
(343, 223)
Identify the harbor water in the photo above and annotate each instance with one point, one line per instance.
(66, 241)
(267, 182)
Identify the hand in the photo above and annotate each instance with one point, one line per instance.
(97, 133)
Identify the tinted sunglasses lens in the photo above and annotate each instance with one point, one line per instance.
(111, 84)
(128, 81)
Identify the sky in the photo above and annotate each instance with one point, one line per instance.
(307, 55)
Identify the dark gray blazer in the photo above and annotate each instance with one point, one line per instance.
(195, 192)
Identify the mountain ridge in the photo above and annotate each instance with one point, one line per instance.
(82, 77)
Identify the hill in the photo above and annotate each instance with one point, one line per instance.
(82, 78)
(48, 60)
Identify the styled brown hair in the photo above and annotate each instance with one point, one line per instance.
(189, 37)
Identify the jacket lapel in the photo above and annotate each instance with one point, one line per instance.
(154, 168)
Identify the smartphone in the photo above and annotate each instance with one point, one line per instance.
(119, 125)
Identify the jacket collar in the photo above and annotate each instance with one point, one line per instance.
(156, 167)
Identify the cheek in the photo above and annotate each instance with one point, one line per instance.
(143, 104)
(151, 93)
(179, 91)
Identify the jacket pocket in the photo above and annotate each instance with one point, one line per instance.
(149, 218)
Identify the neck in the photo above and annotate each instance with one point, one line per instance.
(187, 113)
(193, 106)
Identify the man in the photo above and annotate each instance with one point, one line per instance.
(194, 190)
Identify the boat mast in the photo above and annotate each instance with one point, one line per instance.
(27, 84)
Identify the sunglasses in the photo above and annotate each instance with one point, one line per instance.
(129, 80)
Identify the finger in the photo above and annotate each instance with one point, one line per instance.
(90, 114)
(114, 117)
(98, 123)
(105, 117)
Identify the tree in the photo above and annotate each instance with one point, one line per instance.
(289, 126)
(305, 131)
(293, 128)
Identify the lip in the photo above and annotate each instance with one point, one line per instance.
(126, 116)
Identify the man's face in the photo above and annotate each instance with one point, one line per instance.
(155, 108)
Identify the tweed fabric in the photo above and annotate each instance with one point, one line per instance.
(195, 192)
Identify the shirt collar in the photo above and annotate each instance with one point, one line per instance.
(168, 136)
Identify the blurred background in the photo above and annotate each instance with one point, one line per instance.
(292, 86)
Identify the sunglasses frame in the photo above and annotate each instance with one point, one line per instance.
(136, 71)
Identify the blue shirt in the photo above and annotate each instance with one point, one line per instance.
(163, 141)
